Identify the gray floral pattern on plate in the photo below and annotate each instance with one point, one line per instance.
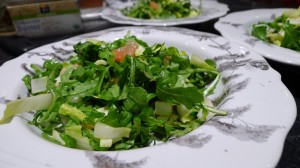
(104, 161)
(251, 40)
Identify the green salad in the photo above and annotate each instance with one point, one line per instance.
(119, 95)
(283, 31)
(161, 9)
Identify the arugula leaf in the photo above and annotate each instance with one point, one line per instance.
(136, 99)
(111, 93)
(260, 31)
(188, 96)
(69, 141)
(84, 89)
(87, 51)
(291, 38)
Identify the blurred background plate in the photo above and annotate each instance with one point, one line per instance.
(237, 27)
(210, 10)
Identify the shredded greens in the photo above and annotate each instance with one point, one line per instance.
(161, 9)
(283, 31)
(119, 95)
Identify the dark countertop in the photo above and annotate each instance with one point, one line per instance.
(11, 47)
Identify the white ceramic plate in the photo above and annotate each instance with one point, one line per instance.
(237, 27)
(261, 111)
(211, 9)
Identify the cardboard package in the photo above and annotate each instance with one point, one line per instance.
(6, 26)
(39, 19)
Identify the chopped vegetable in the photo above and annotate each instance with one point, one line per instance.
(119, 95)
(39, 84)
(66, 109)
(104, 131)
(39, 102)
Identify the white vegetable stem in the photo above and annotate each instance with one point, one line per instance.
(104, 131)
(39, 84)
(39, 102)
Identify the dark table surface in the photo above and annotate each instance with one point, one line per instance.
(11, 47)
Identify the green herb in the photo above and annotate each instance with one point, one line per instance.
(120, 95)
(161, 9)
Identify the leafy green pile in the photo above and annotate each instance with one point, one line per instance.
(284, 31)
(161, 9)
(119, 95)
